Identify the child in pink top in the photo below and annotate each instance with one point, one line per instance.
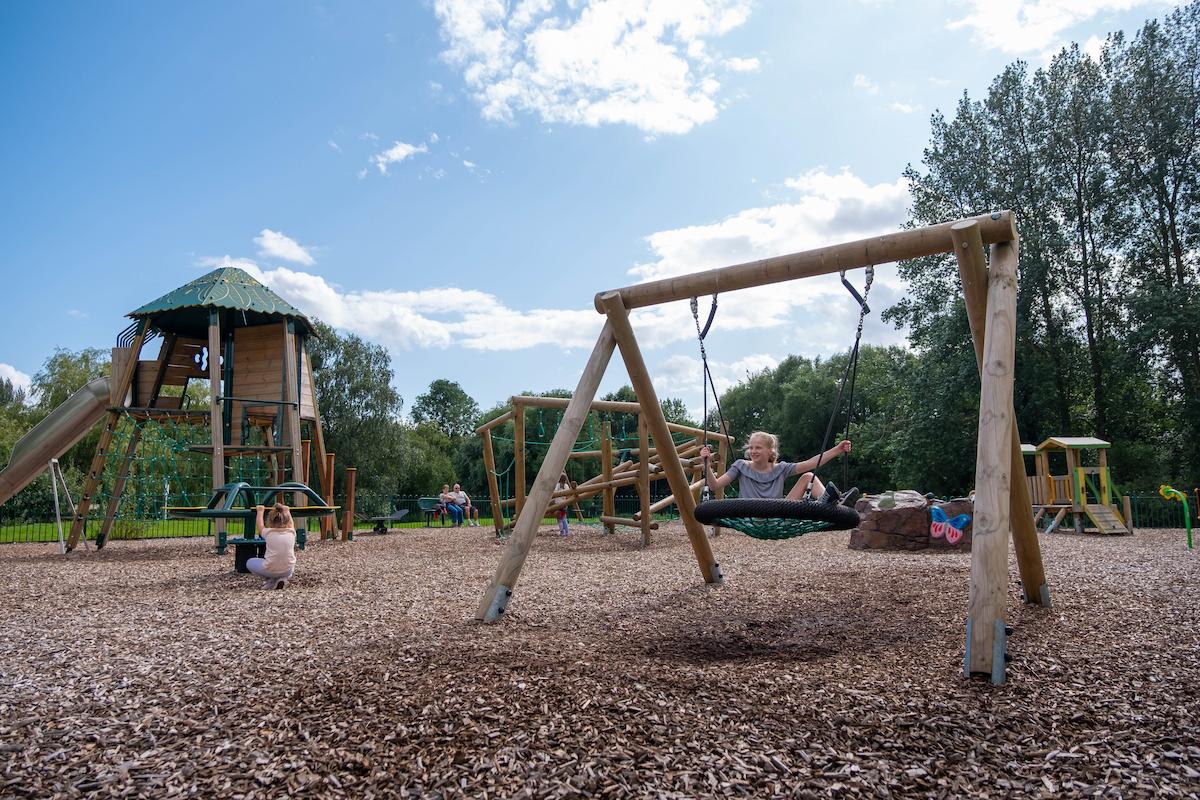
(280, 562)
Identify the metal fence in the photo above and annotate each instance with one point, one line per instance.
(14, 529)
(1149, 511)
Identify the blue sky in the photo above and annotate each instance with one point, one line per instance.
(455, 179)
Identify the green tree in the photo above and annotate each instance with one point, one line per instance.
(65, 372)
(360, 410)
(424, 462)
(448, 407)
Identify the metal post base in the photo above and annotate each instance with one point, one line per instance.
(1000, 657)
(499, 604)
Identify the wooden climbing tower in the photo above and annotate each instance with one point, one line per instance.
(249, 345)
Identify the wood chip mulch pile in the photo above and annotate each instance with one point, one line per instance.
(151, 669)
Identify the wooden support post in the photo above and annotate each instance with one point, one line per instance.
(993, 466)
(318, 434)
(489, 466)
(329, 524)
(1128, 509)
(497, 596)
(119, 383)
(348, 517)
(639, 376)
(519, 454)
(305, 457)
(723, 459)
(643, 481)
(216, 417)
(968, 248)
(609, 505)
(291, 411)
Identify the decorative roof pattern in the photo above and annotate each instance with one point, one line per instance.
(225, 288)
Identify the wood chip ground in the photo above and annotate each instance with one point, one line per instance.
(151, 669)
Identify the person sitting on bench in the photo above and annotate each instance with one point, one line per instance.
(448, 500)
(470, 512)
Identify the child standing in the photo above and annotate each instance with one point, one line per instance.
(762, 474)
(562, 512)
(280, 534)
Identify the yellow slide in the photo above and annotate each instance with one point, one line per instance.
(53, 436)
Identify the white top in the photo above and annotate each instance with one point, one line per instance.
(460, 497)
(281, 550)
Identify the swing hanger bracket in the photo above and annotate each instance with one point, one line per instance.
(862, 303)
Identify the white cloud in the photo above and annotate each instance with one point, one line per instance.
(273, 244)
(433, 138)
(469, 164)
(810, 318)
(334, 145)
(1093, 47)
(395, 154)
(438, 317)
(742, 64)
(19, 379)
(904, 108)
(591, 62)
(830, 208)
(1031, 26)
(866, 84)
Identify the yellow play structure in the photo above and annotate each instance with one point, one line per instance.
(1085, 492)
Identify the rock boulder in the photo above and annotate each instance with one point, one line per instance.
(901, 521)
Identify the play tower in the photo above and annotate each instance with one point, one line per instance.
(250, 346)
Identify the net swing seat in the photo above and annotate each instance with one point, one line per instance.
(770, 518)
(774, 519)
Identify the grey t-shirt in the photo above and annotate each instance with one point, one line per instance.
(752, 483)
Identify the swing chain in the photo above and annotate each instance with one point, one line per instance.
(705, 382)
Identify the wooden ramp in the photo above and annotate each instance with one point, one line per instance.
(1106, 519)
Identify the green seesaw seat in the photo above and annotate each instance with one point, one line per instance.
(238, 501)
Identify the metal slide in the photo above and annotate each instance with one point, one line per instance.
(54, 436)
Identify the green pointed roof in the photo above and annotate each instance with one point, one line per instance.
(185, 310)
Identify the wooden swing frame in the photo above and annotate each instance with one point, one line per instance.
(1002, 502)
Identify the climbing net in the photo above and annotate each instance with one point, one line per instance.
(162, 466)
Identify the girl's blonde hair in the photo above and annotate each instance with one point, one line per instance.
(280, 517)
(770, 439)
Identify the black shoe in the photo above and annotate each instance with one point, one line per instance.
(851, 497)
(832, 496)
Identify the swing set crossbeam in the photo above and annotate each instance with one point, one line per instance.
(994, 228)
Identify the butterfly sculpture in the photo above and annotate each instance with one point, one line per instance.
(949, 527)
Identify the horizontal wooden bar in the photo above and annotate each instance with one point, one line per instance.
(611, 405)
(996, 227)
(633, 523)
(500, 420)
(666, 501)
